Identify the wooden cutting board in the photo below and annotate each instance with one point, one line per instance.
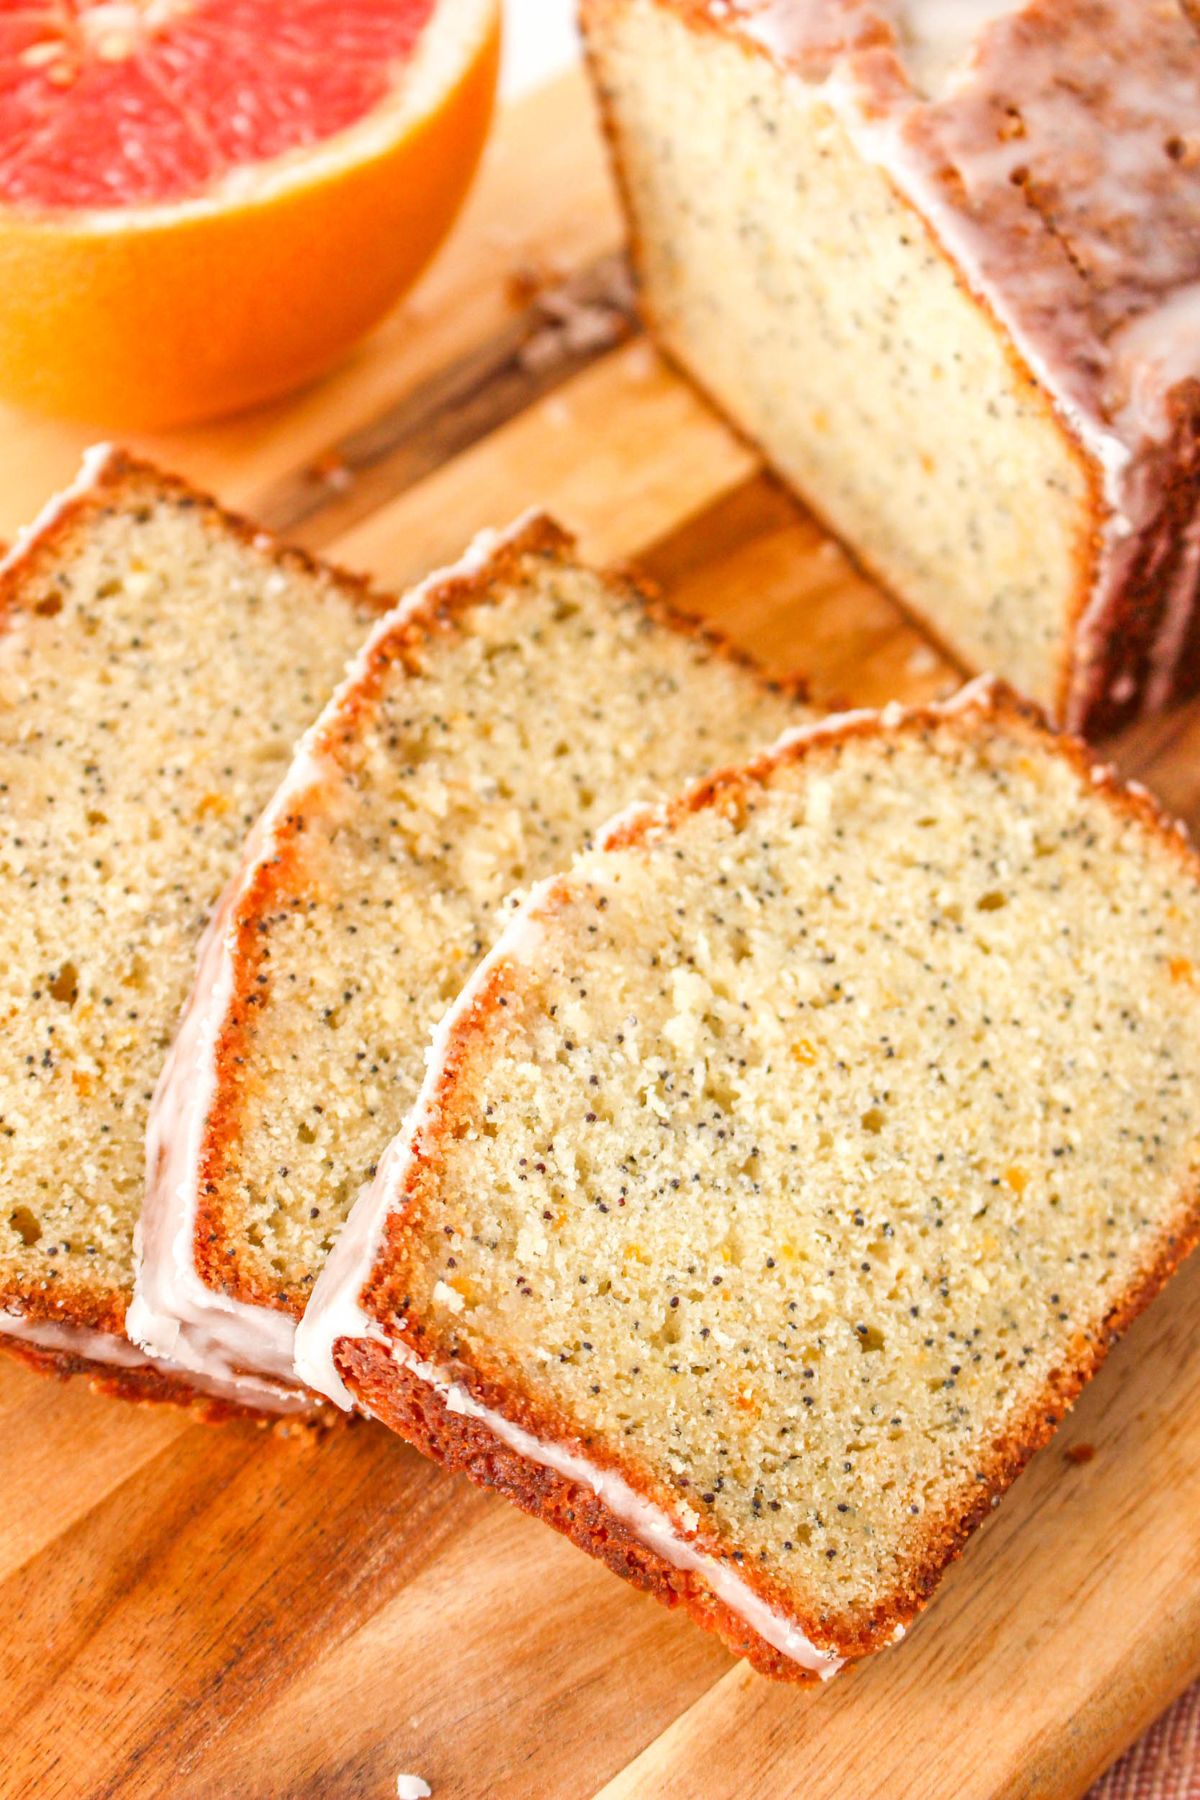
(197, 1612)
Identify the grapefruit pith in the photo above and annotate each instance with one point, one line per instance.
(203, 203)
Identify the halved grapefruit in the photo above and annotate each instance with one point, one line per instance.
(203, 203)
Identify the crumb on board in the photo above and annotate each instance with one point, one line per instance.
(331, 468)
(578, 316)
(921, 660)
(1079, 1453)
(532, 277)
(412, 1787)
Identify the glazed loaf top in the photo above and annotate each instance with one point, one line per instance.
(1056, 145)
(1054, 148)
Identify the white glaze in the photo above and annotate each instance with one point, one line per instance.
(1110, 443)
(648, 1523)
(116, 1352)
(1156, 343)
(882, 140)
(1117, 421)
(940, 35)
(1154, 353)
(92, 468)
(174, 1312)
(49, 1334)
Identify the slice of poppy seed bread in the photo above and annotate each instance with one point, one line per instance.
(502, 712)
(158, 660)
(789, 1166)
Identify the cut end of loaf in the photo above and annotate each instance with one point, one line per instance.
(973, 355)
(790, 276)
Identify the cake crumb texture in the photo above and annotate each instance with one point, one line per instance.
(158, 660)
(803, 1152)
(503, 719)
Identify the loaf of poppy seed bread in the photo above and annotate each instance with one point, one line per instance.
(158, 660)
(789, 1166)
(941, 263)
(503, 711)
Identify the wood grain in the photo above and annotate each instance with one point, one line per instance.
(564, 328)
(205, 1613)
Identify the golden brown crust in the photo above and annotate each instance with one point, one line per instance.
(386, 1296)
(1111, 675)
(148, 1386)
(410, 1407)
(992, 697)
(219, 1257)
(121, 477)
(413, 1409)
(65, 1303)
(145, 1385)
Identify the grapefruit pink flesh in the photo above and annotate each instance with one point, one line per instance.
(110, 103)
